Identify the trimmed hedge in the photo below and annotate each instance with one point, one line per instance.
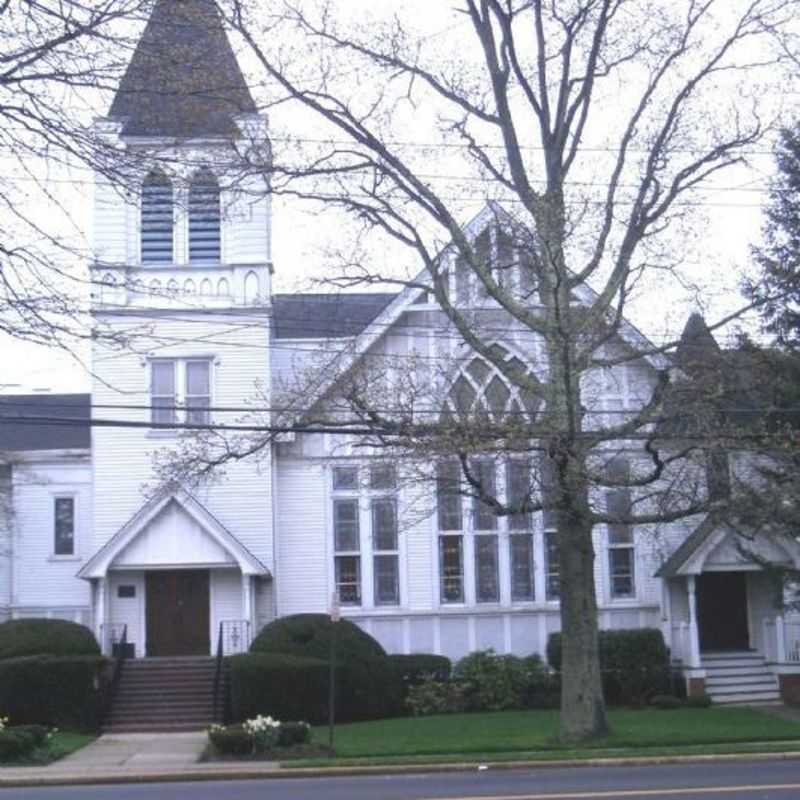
(20, 741)
(412, 670)
(66, 692)
(309, 636)
(634, 663)
(291, 687)
(55, 637)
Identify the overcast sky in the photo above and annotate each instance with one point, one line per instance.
(729, 222)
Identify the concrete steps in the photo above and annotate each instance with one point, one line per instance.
(164, 694)
(740, 678)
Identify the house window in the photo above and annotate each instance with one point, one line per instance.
(518, 481)
(380, 546)
(198, 392)
(347, 551)
(345, 478)
(180, 391)
(204, 219)
(521, 547)
(451, 568)
(64, 526)
(487, 584)
(448, 495)
(384, 547)
(621, 554)
(484, 517)
(157, 219)
(163, 397)
(552, 567)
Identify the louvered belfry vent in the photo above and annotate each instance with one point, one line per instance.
(204, 219)
(157, 219)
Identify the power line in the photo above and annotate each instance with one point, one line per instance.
(5, 403)
(346, 429)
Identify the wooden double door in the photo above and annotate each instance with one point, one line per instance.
(722, 611)
(177, 611)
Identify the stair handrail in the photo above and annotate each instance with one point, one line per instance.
(218, 672)
(116, 675)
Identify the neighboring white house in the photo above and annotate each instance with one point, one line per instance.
(186, 266)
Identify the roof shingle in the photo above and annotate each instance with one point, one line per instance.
(57, 422)
(183, 80)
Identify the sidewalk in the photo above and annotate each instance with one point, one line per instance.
(173, 757)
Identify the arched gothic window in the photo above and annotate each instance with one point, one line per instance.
(157, 219)
(204, 219)
(481, 390)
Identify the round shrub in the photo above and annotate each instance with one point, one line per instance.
(698, 701)
(309, 636)
(53, 637)
(231, 741)
(294, 733)
(666, 702)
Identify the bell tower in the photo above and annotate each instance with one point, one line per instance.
(182, 268)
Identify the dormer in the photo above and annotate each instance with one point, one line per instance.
(187, 227)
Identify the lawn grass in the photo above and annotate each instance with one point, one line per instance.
(60, 744)
(513, 732)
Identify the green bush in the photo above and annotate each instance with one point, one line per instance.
(232, 740)
(698, 701)
(293, 733)
(54, 637)
(67, 692)
(634, 663)
(436, 697)
(414, 669)
(282, 686)
(290, 687)
(309, 636)
(366, 683)
(666, 702)
(20, 741)
(492, 682)
(543, 688)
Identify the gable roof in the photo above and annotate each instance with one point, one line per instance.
(57, 421)
(98, 564)
(688, 547)
(326, 316)
(183, 79)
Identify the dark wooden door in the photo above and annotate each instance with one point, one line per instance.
(722, 611)
(177, 613)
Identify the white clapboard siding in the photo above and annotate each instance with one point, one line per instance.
(302, 570)
(35, 488)
(123, 457)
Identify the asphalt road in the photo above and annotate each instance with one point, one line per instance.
(742, 780)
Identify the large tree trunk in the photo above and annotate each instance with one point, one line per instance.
(583, 714)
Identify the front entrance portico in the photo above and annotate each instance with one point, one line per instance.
(176, 580)
(720, 602)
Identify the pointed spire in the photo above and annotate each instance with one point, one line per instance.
(183, 80)
(697, 348)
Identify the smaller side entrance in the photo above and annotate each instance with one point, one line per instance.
(177, 613)
(722, 611)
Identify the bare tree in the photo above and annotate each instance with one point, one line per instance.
(57, 60)
(588, 127)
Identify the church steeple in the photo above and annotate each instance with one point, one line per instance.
(183, 80)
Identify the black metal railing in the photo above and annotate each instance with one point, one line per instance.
(218, 673)
(235, 636)
(119, 652)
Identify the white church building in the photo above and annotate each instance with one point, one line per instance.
(186, 271)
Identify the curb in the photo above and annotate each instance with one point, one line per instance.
(197, 774)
